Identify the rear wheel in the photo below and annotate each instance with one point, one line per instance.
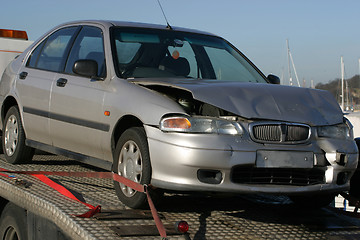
(132, 161)
(13, 141)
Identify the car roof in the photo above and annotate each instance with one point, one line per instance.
(108, 23)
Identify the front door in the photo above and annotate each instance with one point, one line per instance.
(77, 102)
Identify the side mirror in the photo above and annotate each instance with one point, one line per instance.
(273, 79)
(86, 68)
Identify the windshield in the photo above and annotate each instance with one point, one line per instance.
(152, 53)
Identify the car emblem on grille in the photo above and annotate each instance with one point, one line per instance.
(283, 129)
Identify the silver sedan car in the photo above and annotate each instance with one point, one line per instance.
(177, 109)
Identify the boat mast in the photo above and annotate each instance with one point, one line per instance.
(342, 83)
(347, 96)
(288, 56)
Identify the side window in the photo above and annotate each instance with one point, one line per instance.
(50, 54)
(126, 51)
(35, 55)
(88, 45)
(226, 66)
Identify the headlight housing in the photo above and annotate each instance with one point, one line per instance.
(340, 131)
(208, 125)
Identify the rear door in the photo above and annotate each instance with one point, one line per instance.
(35, 82)
(77, 102)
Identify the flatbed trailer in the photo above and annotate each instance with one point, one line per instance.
(47, 214)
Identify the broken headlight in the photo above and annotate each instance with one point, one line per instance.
(200, 125)
(342, 131)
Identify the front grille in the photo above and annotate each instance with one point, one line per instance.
(277, 176)
(279, 132)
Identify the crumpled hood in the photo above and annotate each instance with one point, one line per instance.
(261, 101)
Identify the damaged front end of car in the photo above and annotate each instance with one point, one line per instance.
(230, 147)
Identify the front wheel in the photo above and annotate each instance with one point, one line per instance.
(13, 141)
(132, 161)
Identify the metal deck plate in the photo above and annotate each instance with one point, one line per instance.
(124, 214)
(241, 217)
(142, 230)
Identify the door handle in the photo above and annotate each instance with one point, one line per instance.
(23, 75)
(61, 82)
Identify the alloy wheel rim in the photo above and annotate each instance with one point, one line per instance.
(11, 135)
(130, 166)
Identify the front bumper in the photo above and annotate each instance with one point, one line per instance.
(177, 159)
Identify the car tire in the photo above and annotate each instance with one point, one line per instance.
(355, 179)
(1, 145)
(132, 161)
(13, 141)
(313, 201)
(13, 223)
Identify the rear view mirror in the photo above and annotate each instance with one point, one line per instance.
(178, 43)
(86, 68)
(273, 79)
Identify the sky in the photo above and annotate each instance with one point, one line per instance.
(319, 31)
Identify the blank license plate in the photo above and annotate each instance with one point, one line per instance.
(284, 159)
